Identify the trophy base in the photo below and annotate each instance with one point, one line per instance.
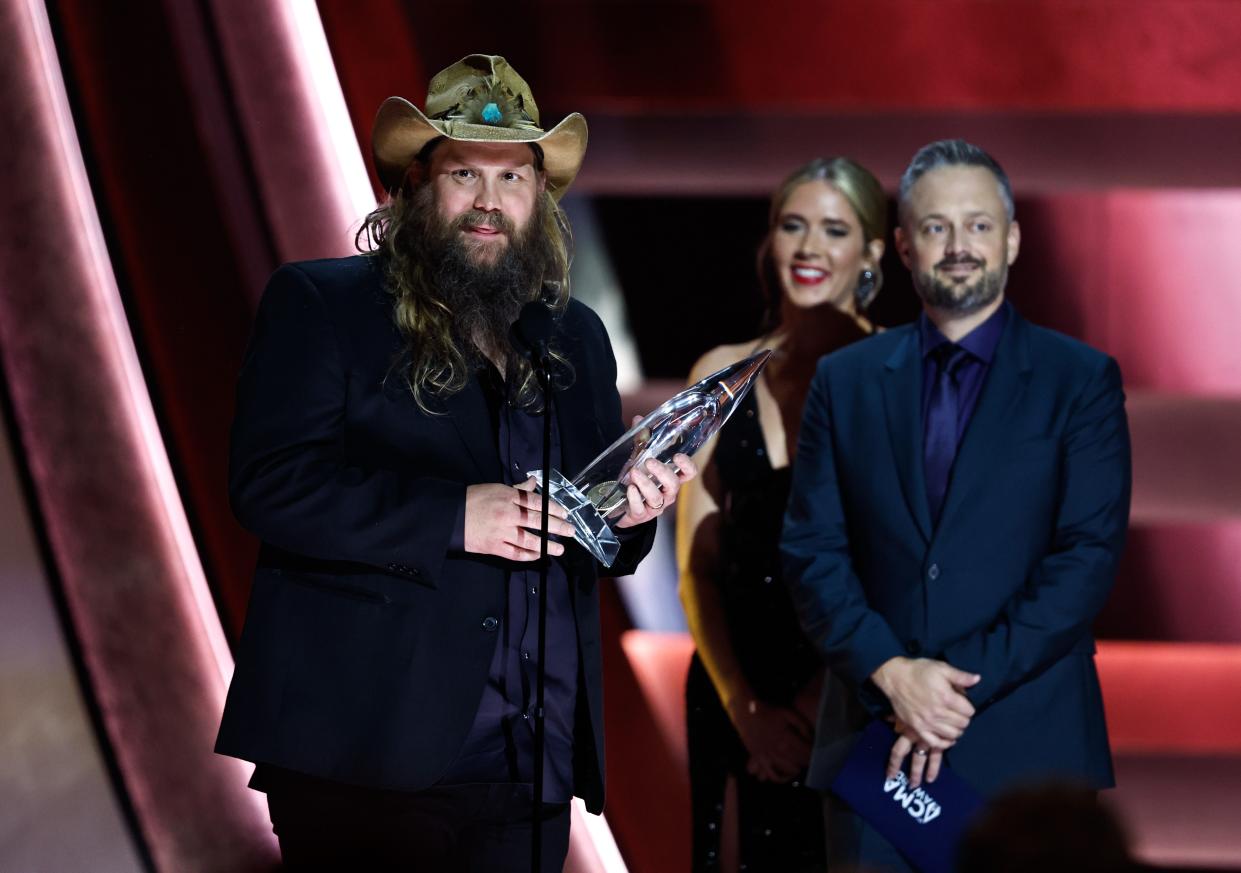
(591, 530)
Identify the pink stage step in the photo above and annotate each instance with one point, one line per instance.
(1174, 716)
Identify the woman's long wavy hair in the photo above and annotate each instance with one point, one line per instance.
(438, 360)
(864, 194)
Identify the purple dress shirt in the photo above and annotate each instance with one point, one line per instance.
(980, 345)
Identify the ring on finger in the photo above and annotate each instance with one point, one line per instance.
(921, 753)
(659, 505)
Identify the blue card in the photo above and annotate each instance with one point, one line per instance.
(924, 824)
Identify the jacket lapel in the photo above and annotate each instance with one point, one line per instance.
(579, 440)
(581, 435)
(902, 394)
(467, 410)
(1002, 393)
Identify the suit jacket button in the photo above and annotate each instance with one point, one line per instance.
(490, 623)
(933, 572)
(913, 647)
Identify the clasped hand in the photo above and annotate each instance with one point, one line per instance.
(930, 712)
(777, 738)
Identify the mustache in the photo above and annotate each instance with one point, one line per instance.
(958, 260)
(495, 220)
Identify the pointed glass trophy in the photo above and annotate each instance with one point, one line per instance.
(681, 425)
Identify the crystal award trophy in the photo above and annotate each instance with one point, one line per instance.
(682, 424)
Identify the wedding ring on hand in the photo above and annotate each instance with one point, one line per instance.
(659, 505)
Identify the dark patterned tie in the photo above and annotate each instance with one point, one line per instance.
(940, 439)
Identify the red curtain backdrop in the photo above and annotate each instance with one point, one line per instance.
(1116, 118)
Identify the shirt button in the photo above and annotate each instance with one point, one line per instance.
(913, 647)
(516, 466)
(534, 589)
(525, 656)
(933, 572)
(766, 580)
(490, 623)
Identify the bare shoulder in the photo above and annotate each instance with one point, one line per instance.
(720, 357)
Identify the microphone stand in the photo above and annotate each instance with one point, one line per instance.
(531, 333)
(539, 361)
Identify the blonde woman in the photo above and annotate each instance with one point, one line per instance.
(754, 682)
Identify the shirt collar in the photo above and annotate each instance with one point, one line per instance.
(980, 342)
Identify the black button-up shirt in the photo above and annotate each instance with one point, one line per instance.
(500, 744)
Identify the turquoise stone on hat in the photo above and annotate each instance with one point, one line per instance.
(492, 114)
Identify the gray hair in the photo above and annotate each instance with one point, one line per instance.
(953, 153)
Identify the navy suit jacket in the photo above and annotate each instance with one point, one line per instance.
(1005, 586)
(368, 639)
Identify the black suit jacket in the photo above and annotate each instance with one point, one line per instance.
(367, 640)
(1009, 581)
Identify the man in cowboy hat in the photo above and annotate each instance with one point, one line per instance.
(384, 427)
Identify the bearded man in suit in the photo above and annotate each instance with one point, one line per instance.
(959, 505)
(385, 425)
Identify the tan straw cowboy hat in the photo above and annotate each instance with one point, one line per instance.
(478, 99)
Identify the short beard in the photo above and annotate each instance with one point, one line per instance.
(958, 298)
(485, 298)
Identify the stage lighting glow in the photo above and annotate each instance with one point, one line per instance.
(607, 856)
(325, 85)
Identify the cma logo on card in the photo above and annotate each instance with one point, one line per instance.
(920, 806)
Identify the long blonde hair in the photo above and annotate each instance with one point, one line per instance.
(864, 193)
